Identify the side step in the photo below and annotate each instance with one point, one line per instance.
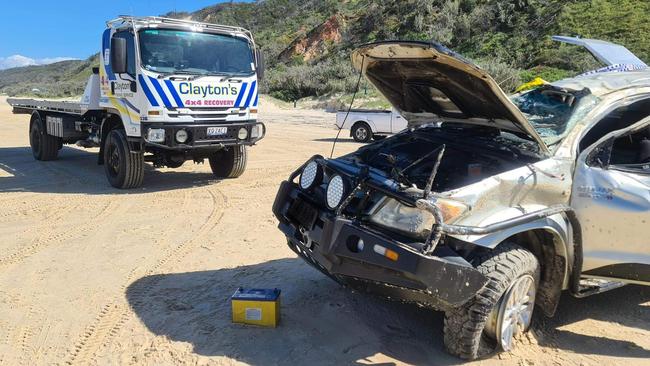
(591, 286)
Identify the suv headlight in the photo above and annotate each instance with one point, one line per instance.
(451, 210)
(412, 221)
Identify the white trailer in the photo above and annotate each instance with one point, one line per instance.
(166, 91)
(365, 124)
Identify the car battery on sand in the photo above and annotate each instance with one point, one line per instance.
(256, 307)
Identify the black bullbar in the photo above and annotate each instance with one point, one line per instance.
(198, 137)
(360, 256)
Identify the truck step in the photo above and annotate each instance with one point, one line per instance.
(87, 143)
(592, 286)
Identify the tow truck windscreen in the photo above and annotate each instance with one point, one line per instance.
(169, 51)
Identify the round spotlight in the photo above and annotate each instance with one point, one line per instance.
(335, 192)
(243, 133)
(310, 175)
(182, 136)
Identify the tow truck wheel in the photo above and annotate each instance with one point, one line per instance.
(361, 132)
(499, 312)
(124, 168)
(229, 162)
(44, 147)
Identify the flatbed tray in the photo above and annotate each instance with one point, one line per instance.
(29, 105)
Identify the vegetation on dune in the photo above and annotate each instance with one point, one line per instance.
(307, 43)
(57, 80)
(509, 38)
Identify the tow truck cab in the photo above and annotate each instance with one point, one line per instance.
(163, 76)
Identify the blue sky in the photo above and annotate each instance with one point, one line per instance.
(41, 29)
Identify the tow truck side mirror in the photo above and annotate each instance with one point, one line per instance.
(259, 63)
(118, 55)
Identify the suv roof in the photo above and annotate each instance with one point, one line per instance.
(607, 82)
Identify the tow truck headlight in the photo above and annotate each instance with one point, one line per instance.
(412, 221)
(242, 134)
(335, 192)
(156, 135)
(256, 131)
(311, 175)
(182, 136)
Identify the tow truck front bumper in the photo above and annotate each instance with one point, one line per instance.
(199, 139)
(443, 280)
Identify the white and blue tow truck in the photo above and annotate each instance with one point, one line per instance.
(166, 91)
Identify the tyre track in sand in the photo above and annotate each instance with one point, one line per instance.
(21, 336)
(110, 206)
(115, 313)
(18, 212)
(32, 336)
(47, 238)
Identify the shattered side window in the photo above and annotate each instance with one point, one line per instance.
(553, 113)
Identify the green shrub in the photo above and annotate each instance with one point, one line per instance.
(505, 75)
(294, 82)
(547, 73)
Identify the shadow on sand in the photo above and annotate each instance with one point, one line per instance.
(76, 171)
(341, 140)
(323, 323)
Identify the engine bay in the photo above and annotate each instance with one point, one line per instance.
(472, 153)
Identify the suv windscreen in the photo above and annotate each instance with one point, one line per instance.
(176, 51)
(553, 113)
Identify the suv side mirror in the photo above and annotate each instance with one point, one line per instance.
(118, 55)
(259, 63)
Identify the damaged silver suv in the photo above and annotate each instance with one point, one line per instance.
(487, 206)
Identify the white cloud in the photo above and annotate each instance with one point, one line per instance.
(20, 61)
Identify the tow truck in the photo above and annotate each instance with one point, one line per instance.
(166, 91)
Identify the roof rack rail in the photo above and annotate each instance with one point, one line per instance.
(124, 19)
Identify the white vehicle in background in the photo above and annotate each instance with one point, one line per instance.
(365, 124)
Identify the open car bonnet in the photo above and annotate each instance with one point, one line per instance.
(425, 80)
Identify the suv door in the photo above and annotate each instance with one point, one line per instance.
(611, 198)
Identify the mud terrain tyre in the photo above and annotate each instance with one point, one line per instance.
(124, 169)
(44, 147)
(466, 329)
(229, 162)
(361, 132)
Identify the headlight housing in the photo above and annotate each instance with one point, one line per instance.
(182, 136)
(311, 175)
(451, 210)
(335, 192)
(412, 221)
(242, 134)
(256, 131)
(156, 135)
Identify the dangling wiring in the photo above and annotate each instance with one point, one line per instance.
(356, 90)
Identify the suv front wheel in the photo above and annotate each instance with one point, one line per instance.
(499, 312)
